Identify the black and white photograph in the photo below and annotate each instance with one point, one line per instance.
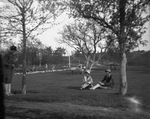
(75, 59)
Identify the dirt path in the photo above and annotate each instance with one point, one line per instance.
(77, 109)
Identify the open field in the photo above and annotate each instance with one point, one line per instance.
(57, 95)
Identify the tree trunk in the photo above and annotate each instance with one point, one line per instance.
(122, 44)
(24, 84)
(123, 76)
(24, 55)
(88, 63)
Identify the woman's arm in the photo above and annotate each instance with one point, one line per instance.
(90, 80)
(84, 79)
(104, 79)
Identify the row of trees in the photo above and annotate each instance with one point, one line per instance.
(42, 56)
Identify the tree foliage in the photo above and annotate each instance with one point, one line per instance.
(88, 38)
(107, 14)
(39, 16)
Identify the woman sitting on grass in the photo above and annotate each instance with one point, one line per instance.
(87, 81)
(106, 83)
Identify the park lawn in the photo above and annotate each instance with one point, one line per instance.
(57, 95)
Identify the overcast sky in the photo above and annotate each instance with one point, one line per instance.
(49, 37)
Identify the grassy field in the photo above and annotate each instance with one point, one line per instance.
(57, 95)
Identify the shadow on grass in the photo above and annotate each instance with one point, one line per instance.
(28, 92)
(74, 87)
(43, 114)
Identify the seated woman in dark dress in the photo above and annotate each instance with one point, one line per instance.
(106, 83)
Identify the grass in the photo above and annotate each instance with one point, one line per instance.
(57, 95)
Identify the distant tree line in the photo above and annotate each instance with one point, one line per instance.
(46, 55)
(139, 58)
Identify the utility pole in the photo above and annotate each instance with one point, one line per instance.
(68, 54)
(69, 60)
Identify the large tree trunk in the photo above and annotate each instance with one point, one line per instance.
(24, 56)
(123, 76)
(122, 44)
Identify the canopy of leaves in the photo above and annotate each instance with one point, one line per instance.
(36, 16)
(86, 37)
(107, 14)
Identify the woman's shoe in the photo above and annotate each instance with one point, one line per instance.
(7, 94)
(10, 94)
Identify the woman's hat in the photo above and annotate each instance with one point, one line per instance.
(14, 48)
(87, 71)
(108, 70)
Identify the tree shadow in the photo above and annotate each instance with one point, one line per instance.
(74, 87)
(28, 92)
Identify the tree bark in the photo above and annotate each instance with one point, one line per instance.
(122, 44)
(24, 55)
(88, 62)
(123, 75)
(24, 84)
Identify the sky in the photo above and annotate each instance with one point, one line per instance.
(49, 37)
